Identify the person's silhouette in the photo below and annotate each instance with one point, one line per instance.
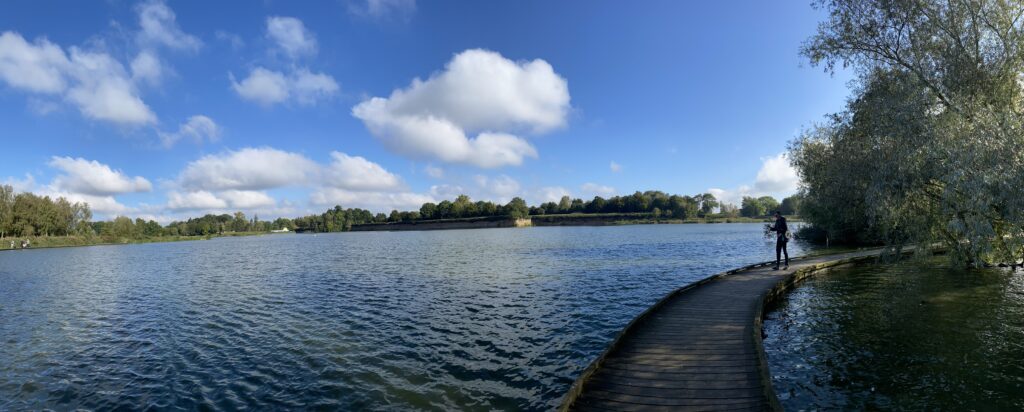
(780, 228)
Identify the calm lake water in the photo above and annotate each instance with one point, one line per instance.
(463, 319)
(915, 336)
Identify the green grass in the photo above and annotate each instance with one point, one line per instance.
(92, 240)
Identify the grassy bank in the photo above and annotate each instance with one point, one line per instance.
(38, 242)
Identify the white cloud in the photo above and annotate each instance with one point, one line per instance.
(593, 189)
(550, 194)
(775, 178)
(615, 167)
(39, 67)
(433, 171)
(197, 200)
(197, 128)
(357, 173)
(96, 83)
(502, 187)
(776, 175)
(374, 201)
(219, 201)
(99, 205)
(104, 91)
(146, 67)
(383, 8)
(268, 87)
(20, 185)
(94, 178)
(160, 28)
(247, 199)
(478, 92)
(248, 169)
(291, 36)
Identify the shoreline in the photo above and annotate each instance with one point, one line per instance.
(39, 243)
(54, 242)
(550, 220)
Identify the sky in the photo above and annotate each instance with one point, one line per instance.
(172, 109)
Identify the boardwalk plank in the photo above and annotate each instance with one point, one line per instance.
(696, 351)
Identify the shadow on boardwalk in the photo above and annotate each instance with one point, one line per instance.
(699, 348)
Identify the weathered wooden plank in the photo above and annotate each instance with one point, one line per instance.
(697, 349)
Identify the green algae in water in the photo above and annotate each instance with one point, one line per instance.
(910, 336)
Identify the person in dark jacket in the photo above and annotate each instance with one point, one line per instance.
(781, 229)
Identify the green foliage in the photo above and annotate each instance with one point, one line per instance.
(928, 148)
(25, 214)
(758, 207)
(790, 205)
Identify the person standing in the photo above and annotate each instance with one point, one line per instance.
(781, 229)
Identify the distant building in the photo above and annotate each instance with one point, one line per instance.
(281, 230)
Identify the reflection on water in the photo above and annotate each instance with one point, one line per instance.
(470, 319)
(913, 336)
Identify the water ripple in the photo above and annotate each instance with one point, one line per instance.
(500, 319)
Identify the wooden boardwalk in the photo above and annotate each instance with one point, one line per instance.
(697, 349)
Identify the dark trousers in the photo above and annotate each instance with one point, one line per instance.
(780, 248)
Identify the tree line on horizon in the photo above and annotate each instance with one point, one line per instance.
(27, 214)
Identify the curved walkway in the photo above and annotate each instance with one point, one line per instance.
(699, 348)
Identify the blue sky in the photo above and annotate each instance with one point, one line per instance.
(172, 109)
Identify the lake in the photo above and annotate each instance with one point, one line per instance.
(462, 319)
(913, 336)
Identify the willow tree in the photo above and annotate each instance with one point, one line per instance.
(929, 149)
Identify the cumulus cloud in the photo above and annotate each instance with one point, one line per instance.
(776, 175)
(501, 188)
(776, 178)
(99, 205)
(614, 167)
(197, 128)
(594, 189)
(298, 84)
(479, 92)
(94, 178)
(160, 28)
(376, 201)
(81, 180)
(39, 67)
(291, 36)
(20, 185)
(206, 200)
(248, 199)
(95, 82)
(248, 169)
(268, 87)
(550, 194)
(200, 199)
(357, 173)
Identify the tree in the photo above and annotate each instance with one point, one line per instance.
(564, 205)
(707, 203)
(926, 150)
(428, 210)
(769, 203)
(516, 208)
(752, 207)
(790, 205)
(729, 210)
(6, 210)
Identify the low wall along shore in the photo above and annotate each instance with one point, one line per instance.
(603, 219)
